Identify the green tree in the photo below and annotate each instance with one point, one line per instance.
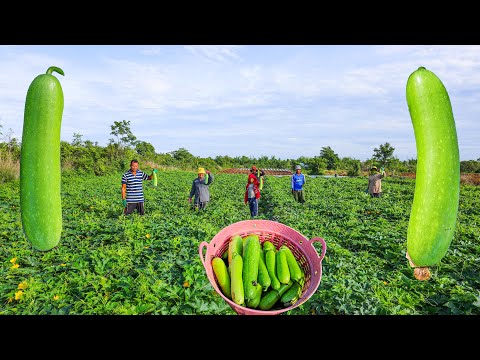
(470, 166)
(352, 166)
(184, 158)
(123, 134)
(316, 165)
(124, 138)
(90, 143)
(244, 161)
(11, 143)
(329, 155)
(144, 148)
(77, 139)
(182, 155)
(383, 154)
(224, 161)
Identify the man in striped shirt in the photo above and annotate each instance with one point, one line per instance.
(132, 189)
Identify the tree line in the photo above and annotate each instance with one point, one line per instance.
(85, 156)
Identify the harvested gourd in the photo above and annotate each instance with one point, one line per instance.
(253, 274)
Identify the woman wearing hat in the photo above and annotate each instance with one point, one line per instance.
(200, 192)
(375, 182)
(258, 176)
(298, 180)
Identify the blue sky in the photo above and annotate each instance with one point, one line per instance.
(284, 101)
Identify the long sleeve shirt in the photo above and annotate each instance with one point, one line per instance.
(375, 183)
(200, 189)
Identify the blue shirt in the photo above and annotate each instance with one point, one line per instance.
(134, 185)
(298, 180)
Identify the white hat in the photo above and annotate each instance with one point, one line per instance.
(298, 167)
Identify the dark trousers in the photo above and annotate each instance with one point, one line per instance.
(134, 206)
(253, 204)
(199, 205)
(299, 196)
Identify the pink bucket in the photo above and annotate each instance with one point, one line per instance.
(279, 234)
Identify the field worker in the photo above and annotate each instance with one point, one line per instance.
(259, 174)
(298, 180)
(252, 194)
(132, 189)
(375, 182)
(200, 192)
(253, 175)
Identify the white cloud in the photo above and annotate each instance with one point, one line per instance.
(350, 97)
(215, 52)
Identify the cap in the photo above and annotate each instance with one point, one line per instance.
(201, 171)
(298, 167)
(374, 168)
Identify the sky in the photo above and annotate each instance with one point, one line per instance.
(282, 101)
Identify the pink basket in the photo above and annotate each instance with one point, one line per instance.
(278, 234)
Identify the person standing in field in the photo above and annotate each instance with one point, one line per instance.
(259, 176)
(132, 189)
(375, 182)
(297, 182)
(252, 195)
(200, 190)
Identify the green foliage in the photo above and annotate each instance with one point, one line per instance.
(470, 166)
(330, 156)
(353, 168)
(316, 165)
(109, 264)
(144, 148)
(383, 154)
(124, 139)
(123, 134)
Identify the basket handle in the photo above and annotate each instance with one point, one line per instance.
(200, 252)
(324, 246)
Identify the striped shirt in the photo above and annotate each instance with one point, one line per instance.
(134, 185)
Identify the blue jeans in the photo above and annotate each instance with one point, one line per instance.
(253, 203)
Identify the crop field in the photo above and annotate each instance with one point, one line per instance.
(109, 264)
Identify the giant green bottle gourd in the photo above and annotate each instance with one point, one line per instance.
(40, 172)
(437, 186)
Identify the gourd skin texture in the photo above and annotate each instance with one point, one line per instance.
(437, 187)
(40, 172)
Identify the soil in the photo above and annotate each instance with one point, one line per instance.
(471, 179)
(266, 171)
